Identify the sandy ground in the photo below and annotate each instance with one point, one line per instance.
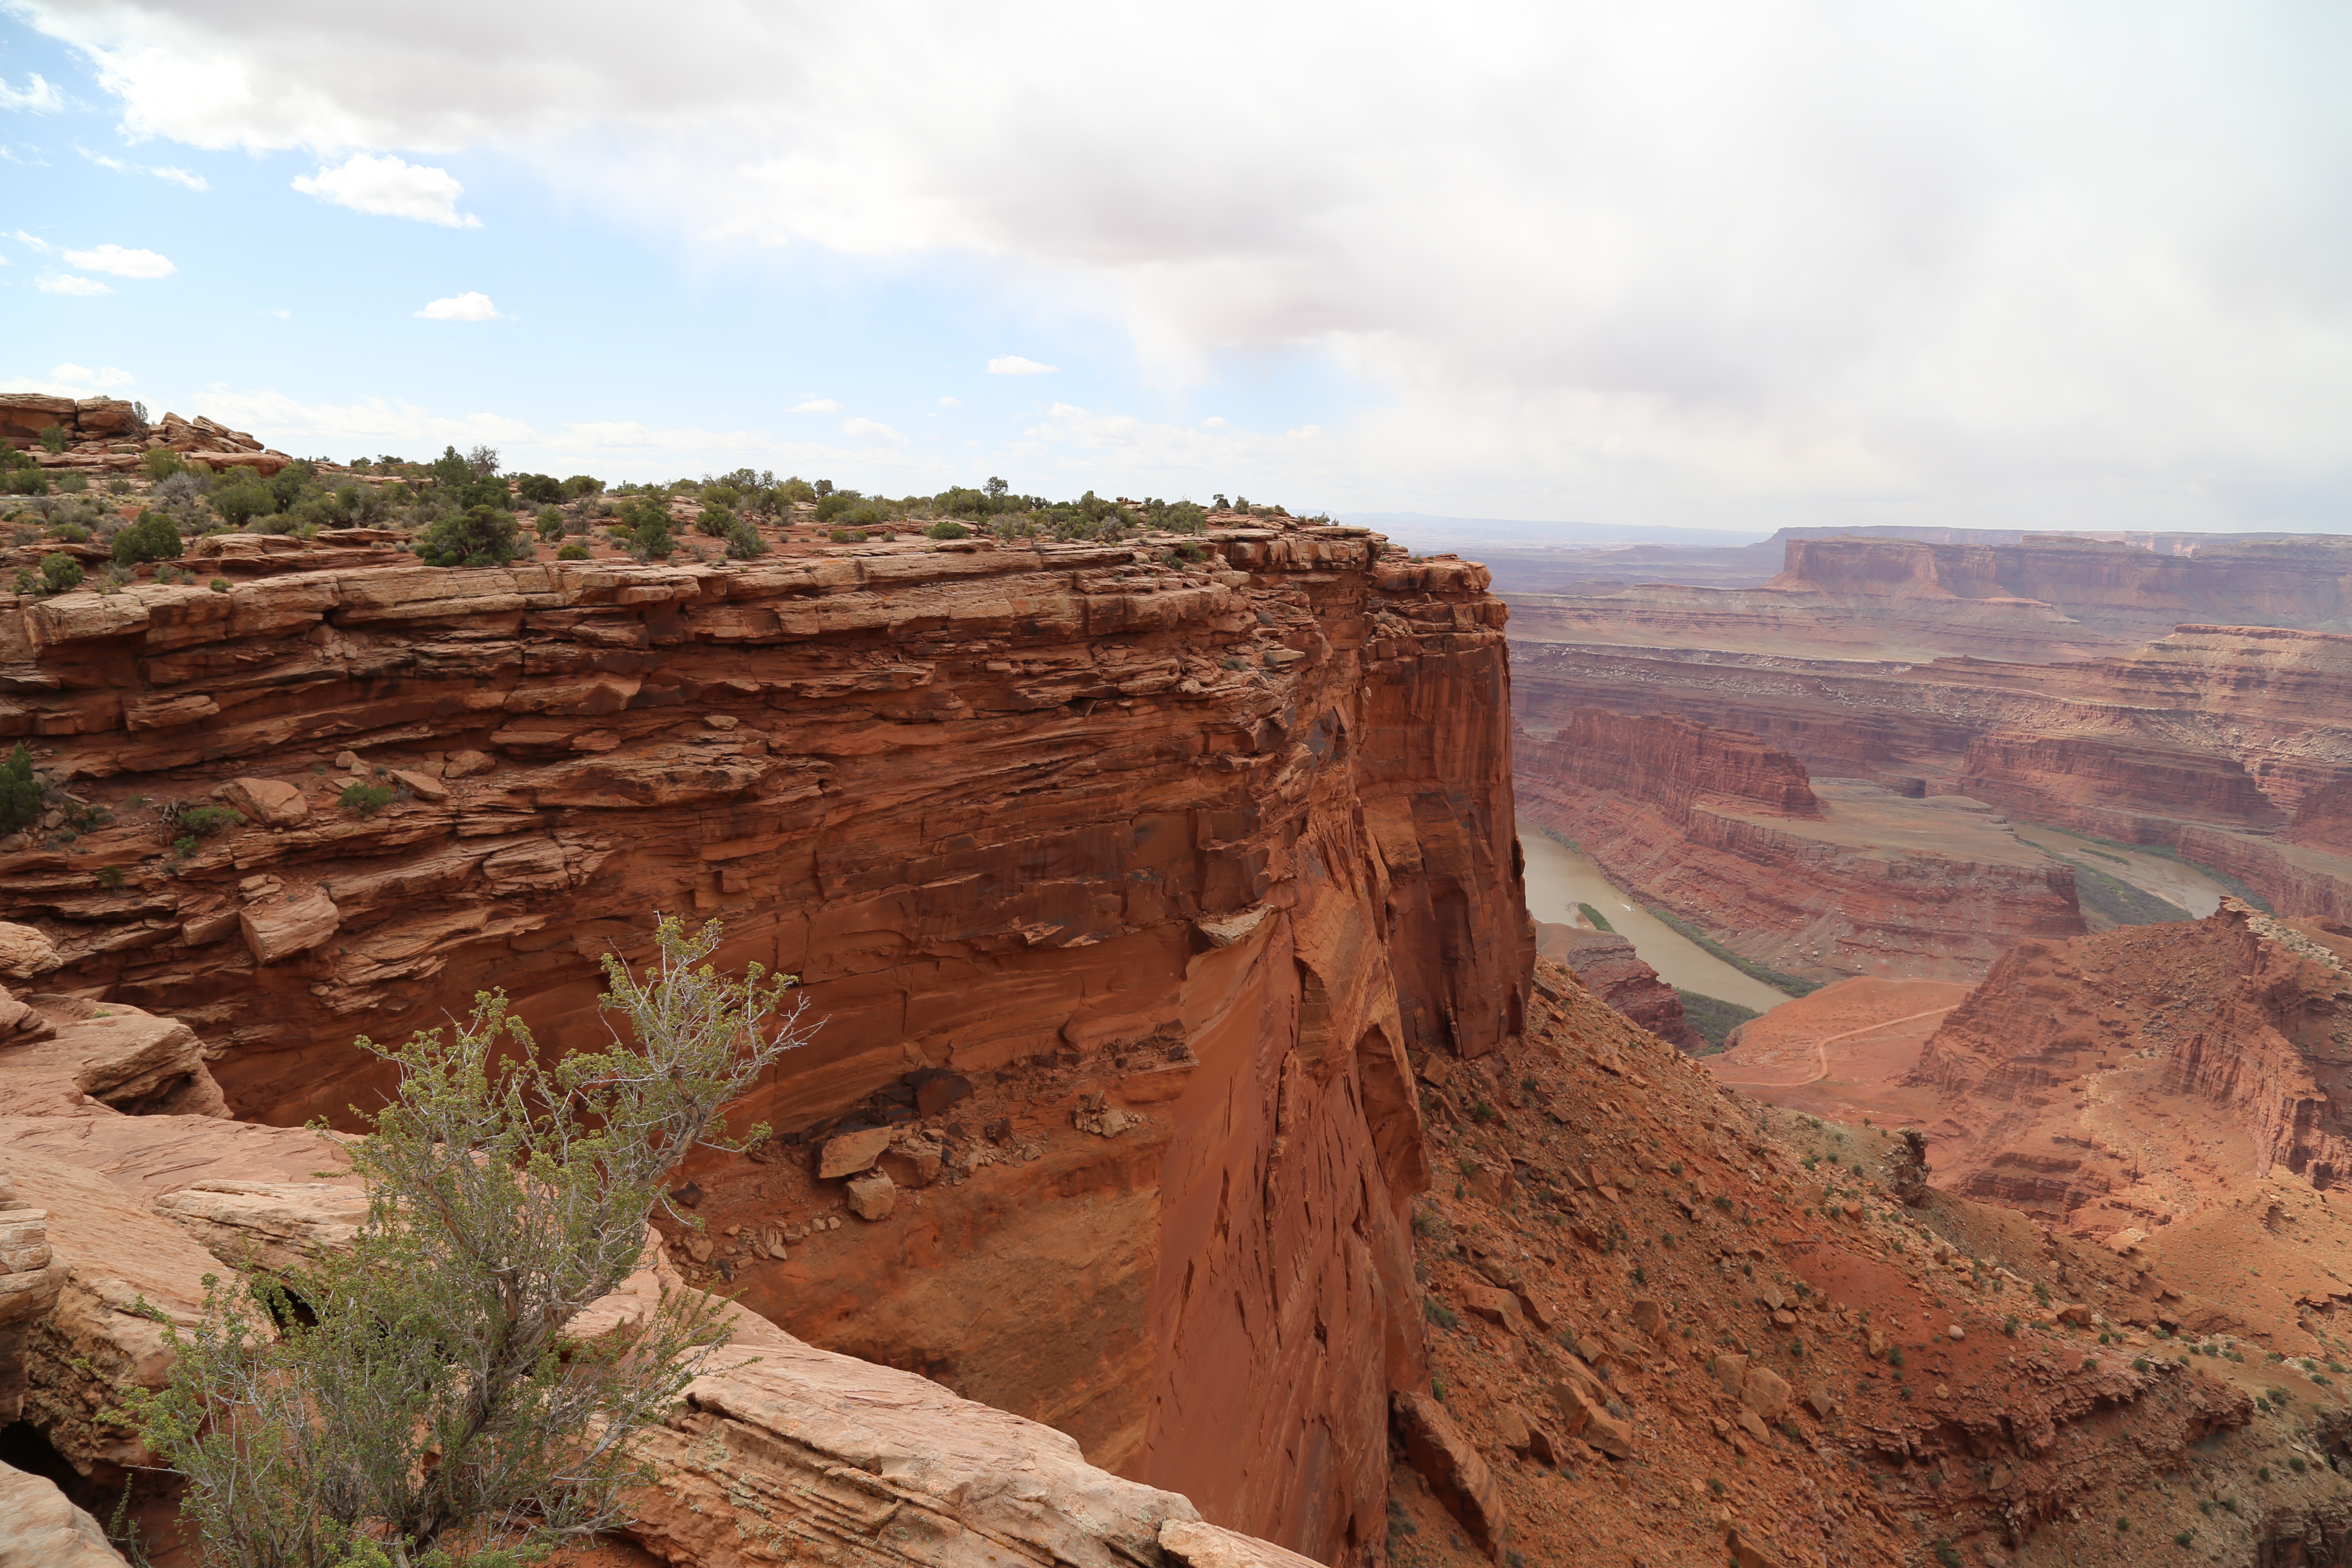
(1839, 1051)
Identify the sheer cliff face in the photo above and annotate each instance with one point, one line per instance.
(1214, 842)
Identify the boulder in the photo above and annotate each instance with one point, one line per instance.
(1765, 1392)
(852, 1152)
(278, 1226)
(25, 954)
(1457, 1477)
(466, 764)
(114, 1058)
(1496, 1306)
(40, 1528)
(272, 803)
(420, 786)
(289, 923)
(872, 1196)
(1584, 1412)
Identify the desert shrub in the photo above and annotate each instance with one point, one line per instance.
(20, 792)
(242, 499)
(70, 533)
(1438, 1312)
(435, 1407)
(947, 528)
(647, 521)
(575, 551)
(161, 464)
(53, 438)
(357, 505)
(716, 520)
(548, 524)
(480, 536)
(151, 538)
(580, 485)
(59, 574)
(539, 489)
(201, 820)
(363, 799)
(110, 876)
(26, 482)
(73, 484)
(745, 543)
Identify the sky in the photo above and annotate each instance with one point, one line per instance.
(1730, 266)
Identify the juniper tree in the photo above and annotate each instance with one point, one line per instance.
(422, 1399)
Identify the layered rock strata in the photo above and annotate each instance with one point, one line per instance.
(1099, 830)
(2227, 744)
(1731, 834)
(107, 435)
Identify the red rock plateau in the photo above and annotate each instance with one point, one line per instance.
(1122, 884)
(1732, 834)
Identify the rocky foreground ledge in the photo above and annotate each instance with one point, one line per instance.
(781, 1453)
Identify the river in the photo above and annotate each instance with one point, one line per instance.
(1559, 879)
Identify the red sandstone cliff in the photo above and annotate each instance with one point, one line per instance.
(1208, 846)
(1730, 833)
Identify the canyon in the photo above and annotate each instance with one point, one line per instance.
(1157, 868)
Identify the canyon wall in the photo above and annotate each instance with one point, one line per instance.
(1159, 866)
(2212, 740)
(2062, 1074)
(1732, 834)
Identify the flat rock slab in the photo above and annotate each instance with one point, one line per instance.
(852, 1152)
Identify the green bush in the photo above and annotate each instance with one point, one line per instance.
(575, 551)
(70, 533)
(151, 538)
(243, 499)
(53, 439)
(549, 523)
(745, 543)
(203, 821)
(947, 528)
(26, 482)
(716, 520)
(539, 489)
(72, 484)
(647, 523)
(60, 574)
(483, 536)
(20, 792)
(363, 799)
(580, 485)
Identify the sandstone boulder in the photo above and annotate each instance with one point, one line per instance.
(1457, 1477)
(119, 1058)
(289, 923)
(1584, 1412)
(851, 1152)
(1765, 1392)
(466, 764)
(40, 1528)
(419, 784)
(873, 1195)
(25, 954)
(272, 803)
(277, 1226)
(1496, 1306)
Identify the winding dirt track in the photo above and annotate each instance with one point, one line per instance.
(1821, 1053)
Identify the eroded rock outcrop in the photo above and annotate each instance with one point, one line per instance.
(1836, 879)
(1213, 842)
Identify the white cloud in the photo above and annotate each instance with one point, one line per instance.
(193, 181)
(103, 162)
(281, 313)
(950, 403)
(35, 242)
(1213, 422)
(390, 187)
(1305, 433)
(466, 307)
(1013, 365)
(817, 406)
(39, 96)
(66, 283)
(82, 375)
(114, 260)
(871, 430)
(1679, 263)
